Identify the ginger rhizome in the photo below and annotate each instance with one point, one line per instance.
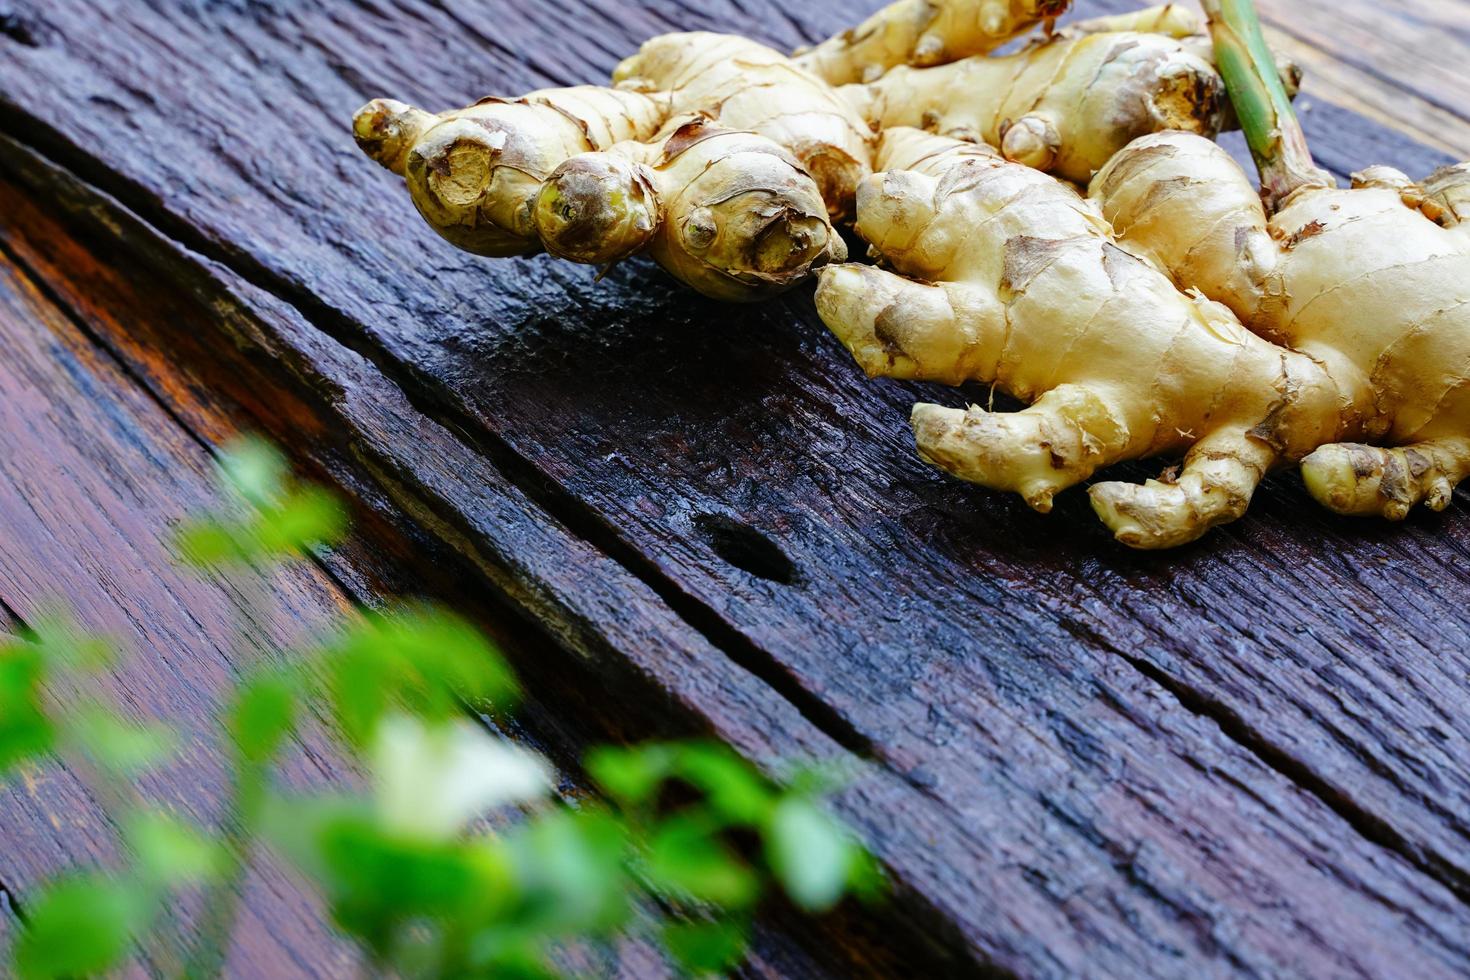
(715, 155)
(1373, 283)
(1066, 104)
(473, 173)
(658, 165)
(1003, 275)
(748, 86)
(924, 32)
(1175, 313)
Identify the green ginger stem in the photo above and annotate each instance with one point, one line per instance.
(1261, 102)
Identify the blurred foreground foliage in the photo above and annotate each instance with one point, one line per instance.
(689, 835)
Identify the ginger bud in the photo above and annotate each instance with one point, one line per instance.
(597, 208)
(386, 130)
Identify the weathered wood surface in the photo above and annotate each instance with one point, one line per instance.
(92, 480)
(1248, 757)
(149, 314)
(1401, 63)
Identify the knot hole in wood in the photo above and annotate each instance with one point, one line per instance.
(747, 549)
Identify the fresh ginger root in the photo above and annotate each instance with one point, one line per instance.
(748, 86)
(1171, 19)
(924, 32)
(1369, 282)
(728, 212)
(1364, 281)
(473, 173)
(715, 155)
(1006, 276)
(1064, 106)
(1067, 103)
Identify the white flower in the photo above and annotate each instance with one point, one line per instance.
(432, 781)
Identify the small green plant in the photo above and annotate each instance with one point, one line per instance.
(689, 833)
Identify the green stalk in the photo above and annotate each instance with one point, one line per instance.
(222, 899)
(1261, 102)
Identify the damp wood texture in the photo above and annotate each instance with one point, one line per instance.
(1247, 757)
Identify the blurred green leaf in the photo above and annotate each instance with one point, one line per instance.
(422, 659)
(172, 852)
(810, 853)
(517, 955)
(574, 865)
(25, 731)
(687, 858)
(262, 716)
(119, 746)
(865, 876)
(735, 790)
(254, 469)
(65, 647)
(207, 542)
(819, 779)
(706, 947)
(80, 926)
(375, 880)
(631, 776)
(308, 517)
(404, 877)
(282, 522)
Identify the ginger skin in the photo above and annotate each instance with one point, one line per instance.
(1369, 282)
(1064, 106)
(739, 219)
(748, 86)
(714, 154)
(1171, 19)
(1003, 275)
(1068, 102)
(924, 32)
(474, 172)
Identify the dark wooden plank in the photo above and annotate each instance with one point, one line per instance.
(1402, 63)
(137, 310)
(52, 808)
(1048, 731)
(91, 482)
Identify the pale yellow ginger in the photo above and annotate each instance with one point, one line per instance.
(473, 173)
(714, 154)
(1172, 19)
(748, 86)
(1069, 101)
(924, 32)
(731, 213)
(1003, 275)
(1370, 282)
(1065, 106)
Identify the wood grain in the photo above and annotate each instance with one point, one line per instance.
(92, 481)
(1401, 62)
(1245, 757)
(139, 308)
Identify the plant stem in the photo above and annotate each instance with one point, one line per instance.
(1261, 102)
(249, 785)
(222, 898)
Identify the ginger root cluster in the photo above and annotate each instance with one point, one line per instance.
(1056, 222)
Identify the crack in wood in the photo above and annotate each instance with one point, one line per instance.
(1367, 825)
